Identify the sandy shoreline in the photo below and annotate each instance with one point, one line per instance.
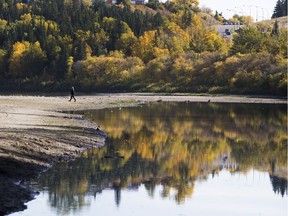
(37, 131)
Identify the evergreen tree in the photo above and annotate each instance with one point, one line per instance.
(79, 50)
(76, 4)
(216, 16)
(285, 7)
(62, 66)
(280, 9)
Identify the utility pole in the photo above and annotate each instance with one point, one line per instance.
(241, 10)
(235, 14)
(262, 13)
(267, 12)
(250, 14)
(256, 13)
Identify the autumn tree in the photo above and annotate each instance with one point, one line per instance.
(204, 39)
(126, 42)
(189, 4)
(27, 60)
(59, 41)
(248, 40)
(143, 48)
(246, 20)
(16, 58)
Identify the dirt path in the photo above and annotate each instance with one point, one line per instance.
(36, 132)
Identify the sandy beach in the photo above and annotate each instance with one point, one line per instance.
(37, 131)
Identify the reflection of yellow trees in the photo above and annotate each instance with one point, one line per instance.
(173, 145)
(181, 147)
(82, 186)
(172, 138)
(183, 191)
(66, 194)
(144, 150)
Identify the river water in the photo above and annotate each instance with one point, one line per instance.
(175, 159)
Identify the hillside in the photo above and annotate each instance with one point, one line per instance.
(283, 21)
(164, 47)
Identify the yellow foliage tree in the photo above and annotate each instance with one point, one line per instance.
(157, 52)
(21, 6)
(144, 46)
(3, 23)
(205, 39)
(15, 58)
(27, 59)
(126, 42)
(189, 3)
(26, 18)
(214, 42)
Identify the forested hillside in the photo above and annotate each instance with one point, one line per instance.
(49, 45)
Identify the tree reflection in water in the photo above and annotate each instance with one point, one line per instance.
(173, 144)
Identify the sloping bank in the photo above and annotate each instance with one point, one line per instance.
(36, 132)
(32, 140)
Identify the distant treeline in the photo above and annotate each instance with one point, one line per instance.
(161, 47)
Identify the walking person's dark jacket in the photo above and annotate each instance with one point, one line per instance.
(72, 93)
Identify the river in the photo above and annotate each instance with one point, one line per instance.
(175, 159)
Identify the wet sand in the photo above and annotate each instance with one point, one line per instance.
(37, 131)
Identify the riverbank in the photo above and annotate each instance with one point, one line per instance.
(38, 131)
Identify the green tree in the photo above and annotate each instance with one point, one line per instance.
(114, 28)
(98, 42)
(216, 16)
(34, 61)
(80, 50)
(62, 66)
(52, 48)
(282, 42)
(3, 62)
(76, 5)
(248, 40)
(280, 9)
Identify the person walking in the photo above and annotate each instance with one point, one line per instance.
(72, 93)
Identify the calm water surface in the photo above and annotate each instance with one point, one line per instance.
(175, 159)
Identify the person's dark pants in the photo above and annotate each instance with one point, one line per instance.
(72, 96)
